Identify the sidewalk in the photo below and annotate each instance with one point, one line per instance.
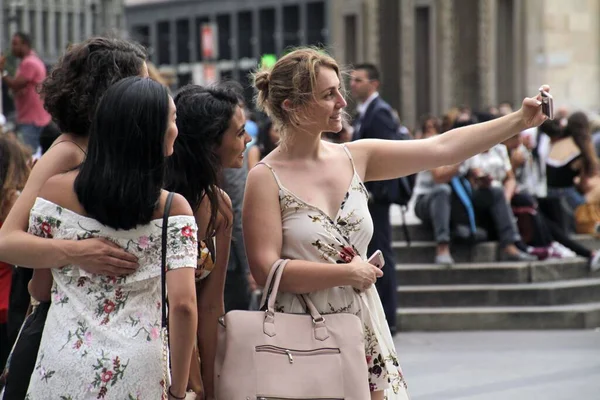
(527, 365)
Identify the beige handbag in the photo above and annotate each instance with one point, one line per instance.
(267, 355)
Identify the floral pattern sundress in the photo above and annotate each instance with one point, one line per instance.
(102, 335)
(310, 234)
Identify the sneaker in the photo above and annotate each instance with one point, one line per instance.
(557, 250)
(444, 259)
(541, 253)
(595, 262)
(519, 256)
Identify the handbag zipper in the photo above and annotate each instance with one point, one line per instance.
(290, 353)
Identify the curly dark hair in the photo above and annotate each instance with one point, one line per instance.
(203, 116)
(75, 86)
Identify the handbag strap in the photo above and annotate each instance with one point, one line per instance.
(272, 288)
(269, 283)
(163, 264)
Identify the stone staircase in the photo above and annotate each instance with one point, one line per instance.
(480, 293)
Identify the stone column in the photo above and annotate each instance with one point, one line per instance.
(234, 43)
(87, 12)
(335, 22)
(445, 49)
(192, 40)
(39, 27)
(52, 50)
(407, 63)
(153, 41)
(173, 43)
(371, 31)
(25, 22)
(520, 46)
(302, 33)
(77, 34)
(486, 58)
(64, 28)
(279, 29)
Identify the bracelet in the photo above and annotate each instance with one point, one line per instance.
(173, 396)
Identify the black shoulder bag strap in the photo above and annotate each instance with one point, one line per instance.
(164, 330)
(163, 273)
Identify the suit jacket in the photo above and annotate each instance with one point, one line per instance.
(378, 122)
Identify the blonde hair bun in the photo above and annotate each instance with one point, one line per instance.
(261, 81)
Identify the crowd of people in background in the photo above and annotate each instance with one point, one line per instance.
(538, 185)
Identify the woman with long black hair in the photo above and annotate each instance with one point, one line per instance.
(212, 136)
(102, 334)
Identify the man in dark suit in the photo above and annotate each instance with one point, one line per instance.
(376, 120)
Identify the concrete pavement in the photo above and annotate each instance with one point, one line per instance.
(536, 365)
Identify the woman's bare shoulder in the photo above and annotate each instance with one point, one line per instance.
(59, 190)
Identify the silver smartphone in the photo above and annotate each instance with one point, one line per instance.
(547, 104)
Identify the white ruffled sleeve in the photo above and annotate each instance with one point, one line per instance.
(182, 242)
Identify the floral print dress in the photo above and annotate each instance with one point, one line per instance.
(310, 234)
(102, 335)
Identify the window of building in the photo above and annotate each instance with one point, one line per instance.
(163, 56)
(423, 76)
(267, 31)
(315, 24)
(183, 40)
(45, 34)
(70, 28)
(505, 50)
(94, 16)
(246, 82)
(350, 39)
(141, 34)
(291, 26)
(58, 40)
(226, 75)
(467, 79)
(184, 79)
(82, 32)
(224, 36)
(391, 89)
(245, 35)
(33, 26)
(19, 20)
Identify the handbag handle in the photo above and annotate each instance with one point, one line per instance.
(271, 290)
(269, 284)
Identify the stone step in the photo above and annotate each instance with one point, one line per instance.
(423, 233)
(416, 232)
(423, 252)
(574, 291)
(482, 273)
(578, 316)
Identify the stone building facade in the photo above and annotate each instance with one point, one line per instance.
(433, 54)
(53, 24)
(436, 54)
(240, 33)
